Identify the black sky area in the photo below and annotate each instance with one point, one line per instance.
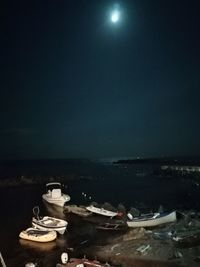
(74, 85)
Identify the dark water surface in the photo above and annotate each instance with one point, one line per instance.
(131, 185)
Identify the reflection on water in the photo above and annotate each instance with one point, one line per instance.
(60, 242)
(54, 211)
(26, 244)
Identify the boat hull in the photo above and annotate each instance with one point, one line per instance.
(56, 201)
(151, 222)
(37, 235)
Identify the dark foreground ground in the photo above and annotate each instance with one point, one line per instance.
(119, 248)
(162, 249)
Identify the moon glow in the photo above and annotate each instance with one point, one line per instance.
(115, 16)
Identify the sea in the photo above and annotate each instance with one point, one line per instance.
(85, 180)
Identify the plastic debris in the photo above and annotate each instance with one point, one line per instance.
(163, 235)
(117, 253)
(178, 254)
(142, 249)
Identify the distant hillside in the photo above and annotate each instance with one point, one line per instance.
(161, 161)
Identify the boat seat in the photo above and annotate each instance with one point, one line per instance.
(56, 193)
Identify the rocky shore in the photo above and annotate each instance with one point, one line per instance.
(152, 247)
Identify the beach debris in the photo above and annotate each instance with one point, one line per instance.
(113, 247)
(83, 242)
(162, 235)
(178, 254)
(144, 248)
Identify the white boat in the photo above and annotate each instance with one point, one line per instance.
(101, 211)
(54, 194)
(151, 220)
(48, 223)
(38, 235)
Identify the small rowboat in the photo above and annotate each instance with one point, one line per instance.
(151, 220)
(47, 223)
(38, 235)
(101, 211)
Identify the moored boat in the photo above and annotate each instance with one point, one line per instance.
(48, 223)
(54, 194)
(38, 235)
(151, 220)
(101, 211)
(78, 210)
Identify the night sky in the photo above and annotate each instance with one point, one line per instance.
(75, 85)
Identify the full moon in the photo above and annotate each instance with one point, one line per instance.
(115, 15)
